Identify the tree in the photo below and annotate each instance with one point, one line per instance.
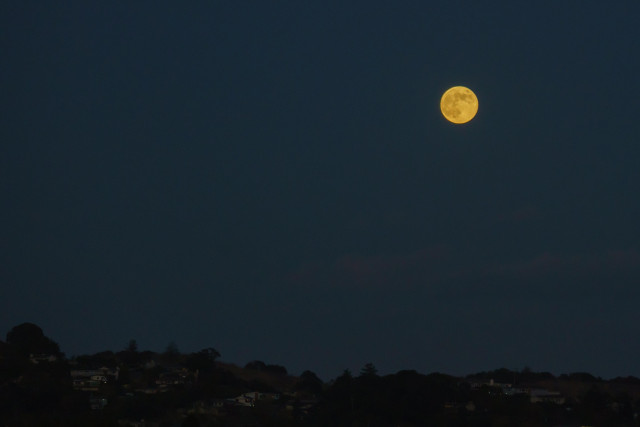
(172, 349)
(132, 346)
(130, 356)
(276, 369)
(346, 377)
(338, 401)
(171, 353)
(310, 383)
(204, 360)
(28, 338)
(369, 370)
(259, 365)
(256, 365)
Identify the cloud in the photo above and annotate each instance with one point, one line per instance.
(441, 267)
(375, 270)
(381, 269)
(612, 263)
(544, 264)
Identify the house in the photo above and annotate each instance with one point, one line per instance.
(246, 399)
(208, 407)
(97, 403)
(270, 396)
(541, 395)
(92, 379)
(148, 390)
(109, 373)
(175, 377)
(513, 391)
(475, 385)
(40, 358)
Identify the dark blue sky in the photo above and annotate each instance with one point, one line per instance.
(275, 180)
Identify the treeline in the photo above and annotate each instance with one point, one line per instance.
(526, 375)
(40, 386)
(408, 398)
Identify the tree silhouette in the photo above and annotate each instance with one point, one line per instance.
(132, 346)
(310, 383)
(369, 370)
(172, 349)
(203, 360)
(256, 365)
(171, 354)
(28, 338)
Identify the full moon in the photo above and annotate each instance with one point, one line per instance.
(459, 104)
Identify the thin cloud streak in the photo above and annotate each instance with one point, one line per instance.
(441, 267)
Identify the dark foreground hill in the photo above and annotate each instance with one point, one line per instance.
(39, 386)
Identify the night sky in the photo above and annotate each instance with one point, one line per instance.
(275, 180)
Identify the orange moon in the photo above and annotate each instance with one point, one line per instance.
(459, 104)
